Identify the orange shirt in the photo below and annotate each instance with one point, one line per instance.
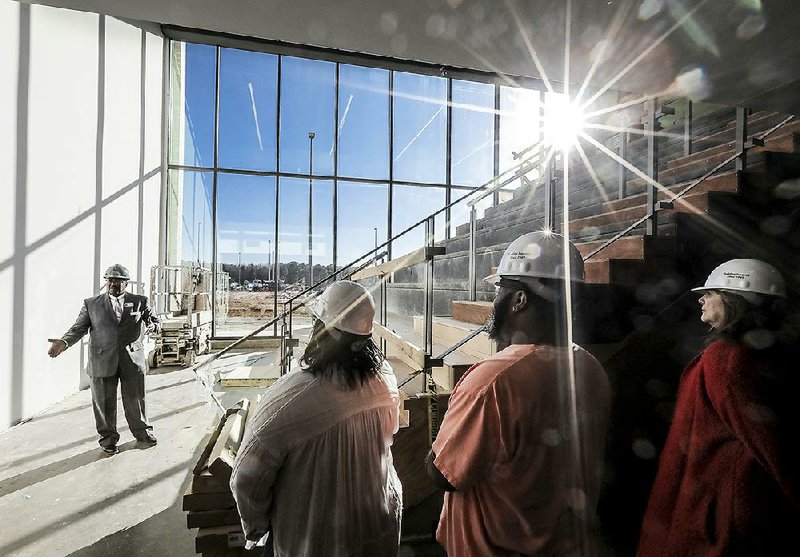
(506, 445)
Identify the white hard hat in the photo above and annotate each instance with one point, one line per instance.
(347, 306)
(117, 271)
(539, 254)
(745, 276)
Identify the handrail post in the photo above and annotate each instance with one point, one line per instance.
(289, 335)
(550, 195)
(428, 323)
(622, 189)
(473, 288)
(650, 122)
(283, 346)
(741, 138)
(430, 385)
(384, 313)
(687, 129)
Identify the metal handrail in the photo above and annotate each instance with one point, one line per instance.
(688, 188)
(516, 175)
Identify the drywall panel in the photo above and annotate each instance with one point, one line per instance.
(9, 70)
(120, 233)
(58, 276)
(153, 100)
(152, 188)
(6, 354)
(62, 129)
(124, 117)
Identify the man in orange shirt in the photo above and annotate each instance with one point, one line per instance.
(520, 449)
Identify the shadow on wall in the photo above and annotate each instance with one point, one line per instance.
(19, 262)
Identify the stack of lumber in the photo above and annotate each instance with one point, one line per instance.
(208, 501)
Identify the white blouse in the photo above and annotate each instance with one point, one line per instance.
(315, 468)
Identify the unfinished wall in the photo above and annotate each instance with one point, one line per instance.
(80, 151)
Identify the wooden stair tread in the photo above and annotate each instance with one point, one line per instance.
(476, 313)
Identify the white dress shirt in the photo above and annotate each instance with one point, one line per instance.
(117, 304)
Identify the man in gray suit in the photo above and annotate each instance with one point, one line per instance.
(114, 320)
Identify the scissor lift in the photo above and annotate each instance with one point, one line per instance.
(181, 295)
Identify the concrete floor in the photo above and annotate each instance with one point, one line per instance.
(60, 495)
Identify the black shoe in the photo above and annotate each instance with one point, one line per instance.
(147, 438)
(110, 449)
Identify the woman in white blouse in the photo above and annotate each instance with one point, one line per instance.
(315, 468)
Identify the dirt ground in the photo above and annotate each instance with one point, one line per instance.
(255, 304)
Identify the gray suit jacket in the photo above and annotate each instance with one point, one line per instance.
(111, 343)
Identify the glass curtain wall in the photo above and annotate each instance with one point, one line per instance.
(283, 168)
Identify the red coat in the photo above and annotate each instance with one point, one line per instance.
(728, 481)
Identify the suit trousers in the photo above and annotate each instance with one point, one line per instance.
(104, 402)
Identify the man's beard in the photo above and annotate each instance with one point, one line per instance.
(499, 317)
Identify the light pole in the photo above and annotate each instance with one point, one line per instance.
(240, 268)
(311, 136)
(269, 259)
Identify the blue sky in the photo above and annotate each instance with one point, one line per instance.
(256, 134)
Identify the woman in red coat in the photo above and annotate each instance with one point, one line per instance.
(728, 481)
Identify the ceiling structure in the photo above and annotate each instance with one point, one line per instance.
(732, 52)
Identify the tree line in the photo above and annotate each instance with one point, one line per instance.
(291, 272)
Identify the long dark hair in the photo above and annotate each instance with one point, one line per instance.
(757, 325)
(344, 358)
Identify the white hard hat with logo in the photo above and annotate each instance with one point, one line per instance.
(745, 277)
(539, 255)
(347, 306)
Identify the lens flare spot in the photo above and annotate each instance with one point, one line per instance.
(693, 84)
(563, 121)
(751, 26)
(649, 8)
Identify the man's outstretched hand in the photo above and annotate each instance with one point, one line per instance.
(57, 346)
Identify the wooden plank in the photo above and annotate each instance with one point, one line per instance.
(206, 483)
(448, 332)
(476, 313)
(216, 517)
(408, 352)
(404, 414)
(410, 447)
(235, 552)
(220, 461)
(448, 376)
(202, 462)
(417, 256)
(207, 501)
(251, 376)
(219, 537)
